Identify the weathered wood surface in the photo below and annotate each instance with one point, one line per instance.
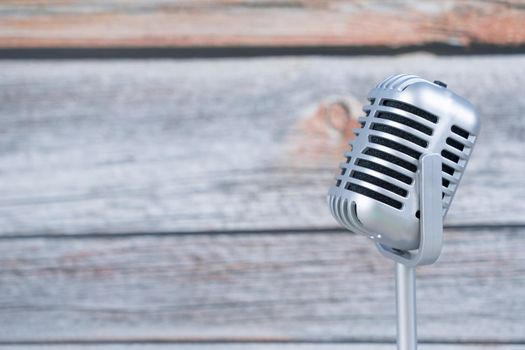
(259, 23)
(313, 287)
(274, 346)
(96, 149)
(153, 146)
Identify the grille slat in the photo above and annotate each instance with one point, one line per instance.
(405, 121)
(448, 192)
(399, 133)
(378, 182)
(383, 170)
(411, 109)
(374, 195)
(395, 153)
(459, 131)
(449, 178)
(394, 145)
(455, 152)
(374, 172)
(391, 158)
(452, 165)
(464, 142)
(386, 164)
(450, 156)
(447, 169)
(455, 144)
(343, 171)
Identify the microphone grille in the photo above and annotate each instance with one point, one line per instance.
(384, 159)
(399, 82)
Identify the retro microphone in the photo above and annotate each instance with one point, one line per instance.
(401, 175)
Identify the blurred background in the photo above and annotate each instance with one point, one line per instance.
(164, 165)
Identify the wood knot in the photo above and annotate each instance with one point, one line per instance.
(323, 135)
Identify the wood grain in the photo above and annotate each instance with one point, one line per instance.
(293, 287)
(155, 146)
(48, 23)
(274, 346)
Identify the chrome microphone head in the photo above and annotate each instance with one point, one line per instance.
(377, 192)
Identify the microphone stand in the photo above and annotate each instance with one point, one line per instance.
(406, 307)
(430, 243)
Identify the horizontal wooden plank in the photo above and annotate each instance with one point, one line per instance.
(151, 146)
(259, 23)
(278, 346)
(323, 287)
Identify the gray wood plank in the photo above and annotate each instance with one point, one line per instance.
(222, 144)
(308, 287)
(277, 346)
(142, 146)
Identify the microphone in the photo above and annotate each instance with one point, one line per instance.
(400, 177)
(377, 192)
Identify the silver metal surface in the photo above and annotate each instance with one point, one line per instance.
(431, 221)
(401, 176)
(406, 307)
(431, 230)
(423, 116)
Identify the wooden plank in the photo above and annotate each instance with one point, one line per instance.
(150, 146)
(292, 287)
(278, 346)
(262, 23)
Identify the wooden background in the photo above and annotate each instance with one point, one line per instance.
(99, 23)
(181, 203)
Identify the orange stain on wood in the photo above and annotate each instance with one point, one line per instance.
(226, 23)
(323, 136)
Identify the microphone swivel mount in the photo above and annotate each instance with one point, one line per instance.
(430, 243)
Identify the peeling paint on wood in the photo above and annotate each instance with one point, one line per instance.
(259, 23)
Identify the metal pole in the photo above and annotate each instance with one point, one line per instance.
(406, 307)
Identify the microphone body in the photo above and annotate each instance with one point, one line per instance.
(377, 193)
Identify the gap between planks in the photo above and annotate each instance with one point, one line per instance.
(257, 345)
(210, 52)
(270, 231)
